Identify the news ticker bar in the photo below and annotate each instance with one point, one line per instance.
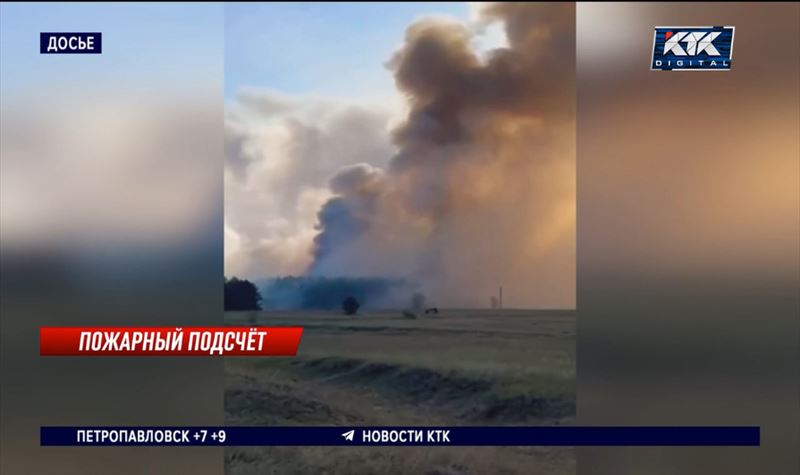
(413, 436)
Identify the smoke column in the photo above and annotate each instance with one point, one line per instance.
(481, 190)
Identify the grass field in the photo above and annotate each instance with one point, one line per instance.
(460, 367)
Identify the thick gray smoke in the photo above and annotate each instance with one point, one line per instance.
(281, 151)
(481, 191)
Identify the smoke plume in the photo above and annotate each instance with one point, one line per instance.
(481, 190)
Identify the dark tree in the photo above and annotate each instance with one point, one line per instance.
(241, 294)
(326, 293)
(350, 306)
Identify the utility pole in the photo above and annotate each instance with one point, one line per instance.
(501, 297)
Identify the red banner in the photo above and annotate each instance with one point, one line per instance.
(169, 341)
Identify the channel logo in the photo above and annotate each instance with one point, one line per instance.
(692, 48)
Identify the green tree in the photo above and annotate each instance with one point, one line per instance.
(350, 305)
(241, 294)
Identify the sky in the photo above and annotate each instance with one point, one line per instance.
(327, 49)
(311, 106)
(379, 140)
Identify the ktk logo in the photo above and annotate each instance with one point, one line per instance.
(699, 48)
(696, 43)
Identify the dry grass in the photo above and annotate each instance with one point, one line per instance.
(456, 368)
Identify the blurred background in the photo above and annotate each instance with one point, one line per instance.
(688, 254)
(111, 214)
